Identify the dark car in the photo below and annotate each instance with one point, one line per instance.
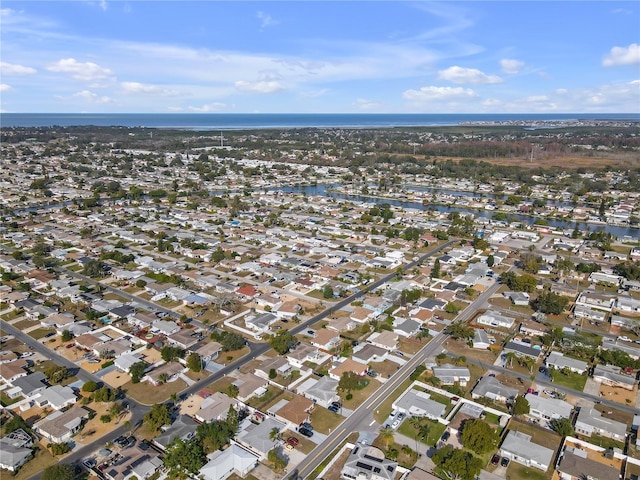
(333, 408)
(445, 436)
(504, 462)
(495, 460)
(336, 404)
(306, 425)
(306, 432)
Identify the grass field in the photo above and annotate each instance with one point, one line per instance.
(570, 380)
(383, 411)
(323, 420)
(436, 429)
(147, 394)
(515, 471)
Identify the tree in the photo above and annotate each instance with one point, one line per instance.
(184, 457)
(16, 423)
(105, 418)
(170, 354)
(459, 331)
(215, 435)
(549, 302)
(282, 341)
(279, 463)
(387, 435)
(230, 341)
(457, 464)
(233, 391)
(58, 448)
(417, 372)
(233, 419)
(350, 381)
(530, 262)
(158, 416)
(137, 371)
(90, 386)
(194, 362)
(56, 373)
(94, 268)
(66, 335)
(451, 307)
(59, 471)
(491, 260)
(435, 271)
(104, 394)
(478, 436)
(520, 406)
(327, 292)
(562, 426)
(272, 373)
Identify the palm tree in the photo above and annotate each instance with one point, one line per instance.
(509, 358)
(163, 377)
(424, 431)
(386, 435)
(274, 434)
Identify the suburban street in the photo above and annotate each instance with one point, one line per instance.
(360, 418)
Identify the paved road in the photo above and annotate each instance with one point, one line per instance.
(138, 410)
(360, 418)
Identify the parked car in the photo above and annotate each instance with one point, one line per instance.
(293, 441)
(306, 425)
(89, 463)
(70, 345)
(306, 432)
(395, 424)
(504, 462)
(333, 408)
(495, 460)
(445, 436)
(94, 360)
(336, 404)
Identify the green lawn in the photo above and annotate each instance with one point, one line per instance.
(384, 410)
(323, 420)
(515, 471)
(603, 441)
(570, 380)
(436, 429)
(12, 314)
(39, 333)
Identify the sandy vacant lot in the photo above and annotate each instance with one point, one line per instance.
(116, 378)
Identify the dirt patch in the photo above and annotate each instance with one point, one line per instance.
(619, 395)
(147, 394)
(461, 348)
(191, 405)
(334, 472)
(94, 428)
(116, 378)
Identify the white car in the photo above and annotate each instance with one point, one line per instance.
(624, 338)
(395, 424)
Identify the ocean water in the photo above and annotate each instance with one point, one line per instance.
(238, 121)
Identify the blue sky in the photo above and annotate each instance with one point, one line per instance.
(331, 56)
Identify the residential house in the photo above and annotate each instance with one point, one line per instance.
(533, 329)
(449, 374)
(348, 365)
(59, 426)
(279, 365)
(384, 339)
(233, 460)
(250, 385)
(625, 303)
(134, 463)
(366, 462)
(306, 353)
(257, 438)
(56, 397)
(184, 339)
(518, 447)
(490, 387)
(165, 327)
(322, 391)
(260, 323)
(546, 409)
(494, 319)
(518, 298)
(183, 427)
(574, 464)
(369, 353)
(590, 421)
(214, 407)
(599, 301)
(295, 411)
(480, 339)
(415, 403)
(209, 351)
(558, 361)
(15, 450)
(11, 371)
(521, 349)
(406, 327)
(169, 370)
(614, 344)
(326, 340)
(31, 385)
(613, 376)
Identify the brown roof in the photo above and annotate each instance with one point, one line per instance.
(349, 366)
(296, 410)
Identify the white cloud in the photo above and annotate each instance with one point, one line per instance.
(145, 89)
(492, 102)
(622, 56)
(427, 94)
(80, 71)
(621, 11)
(15, 69)
(314, 93)
(465, 76)
(209, 107)
(266, 20)
(264, 86)
(364, 104)
(4, 87)
(511, 66)
(92, 97)
(103, 5)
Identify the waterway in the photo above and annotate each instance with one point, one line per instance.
(326, 191)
